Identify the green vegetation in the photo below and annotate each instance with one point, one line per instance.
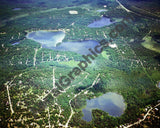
(151, 44)
(28, 72)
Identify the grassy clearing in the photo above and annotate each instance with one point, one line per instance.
(151, 44)
(70, 63)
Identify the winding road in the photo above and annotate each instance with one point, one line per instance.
(144, 117)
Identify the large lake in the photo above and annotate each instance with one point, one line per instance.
(80, 47)
(110, 102)
(53, 40)
(104, 21)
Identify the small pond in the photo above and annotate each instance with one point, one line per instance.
(16, 9)
(101, 10)
(104, 21)
(16, 43)
(158, 85)
(110, 102)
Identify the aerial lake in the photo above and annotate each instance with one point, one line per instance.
(53, 40)
(80, 47)
(110, 102)
(104, 21)
(47, 38)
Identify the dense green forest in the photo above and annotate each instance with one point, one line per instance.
(29, 73)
